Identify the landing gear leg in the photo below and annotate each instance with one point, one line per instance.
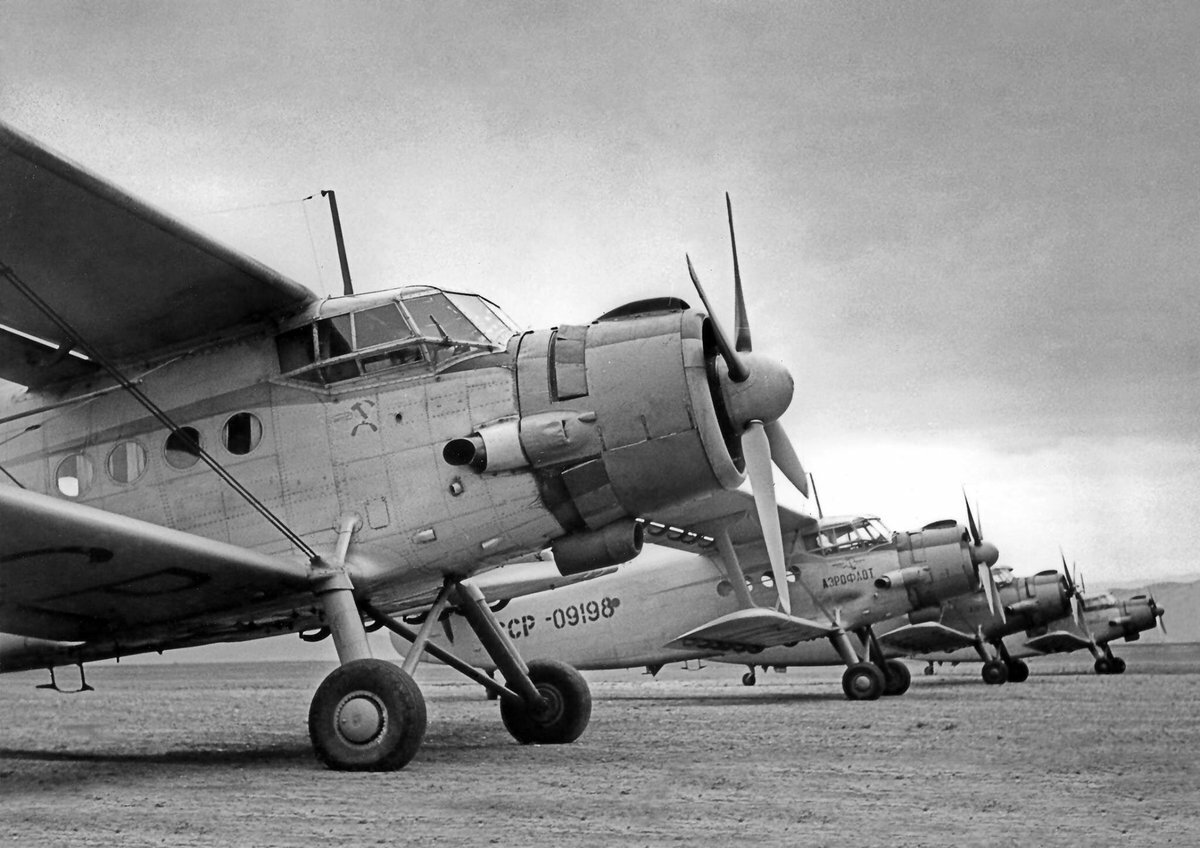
(1018, 671)
(862, 681)
(896, 675)
(1109, 663)
(548, 701)
(368, 715)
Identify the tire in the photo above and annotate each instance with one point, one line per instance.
(1103, 666)
(1018, 671)
(367, 715)
(1118, 665)
(994, 673)
(748, 679)
(897, 680)
(863, 682)
(568, 710)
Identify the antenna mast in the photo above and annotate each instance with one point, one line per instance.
(347, 288)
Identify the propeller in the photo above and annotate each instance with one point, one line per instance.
(983, 556)
(756, 391)
(1074, 594)
(1157, 612)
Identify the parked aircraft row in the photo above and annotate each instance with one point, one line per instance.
(204, 450)
(669, 606)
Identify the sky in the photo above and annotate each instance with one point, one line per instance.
(969, 230)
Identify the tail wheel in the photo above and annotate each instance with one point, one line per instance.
(1018, 671)
(367, 715)
(994, 673)
(748, 679)
(898, 678)
(564, 716)
(863, 682)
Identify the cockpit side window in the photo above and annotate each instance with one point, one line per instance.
(436, 316)
(379, 325)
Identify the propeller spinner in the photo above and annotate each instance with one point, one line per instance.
(756, 391)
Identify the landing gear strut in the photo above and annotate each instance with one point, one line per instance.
(369, 715)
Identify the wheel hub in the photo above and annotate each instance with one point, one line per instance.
(861, 684)
(360, 718)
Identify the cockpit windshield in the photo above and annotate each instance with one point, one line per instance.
(416, 328)
(838, 535)
(1102, 601)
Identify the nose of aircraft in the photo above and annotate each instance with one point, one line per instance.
(764, 395)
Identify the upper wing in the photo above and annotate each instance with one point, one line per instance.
(694, 525)
(129, 279)
(71, 573)
(925, 638)
(750, 630)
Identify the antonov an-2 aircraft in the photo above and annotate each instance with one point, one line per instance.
(844, 575)
(207, 451)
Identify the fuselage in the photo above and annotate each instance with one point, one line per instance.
(348, 411)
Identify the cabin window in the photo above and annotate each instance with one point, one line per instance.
(126, 462)
(241, 433)
(74, 475)
(182, 448)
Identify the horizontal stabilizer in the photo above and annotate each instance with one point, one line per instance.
(1058, 641)
(751, 630)
(925, 638)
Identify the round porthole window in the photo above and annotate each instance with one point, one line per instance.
(127, 462)
(182, 449)
(241, 433)
(74, 475)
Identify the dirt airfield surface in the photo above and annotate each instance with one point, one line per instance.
(218, 755)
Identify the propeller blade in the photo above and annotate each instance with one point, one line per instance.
(990, 591)
(1072, 591)
(737, 369)
(976, 537)
(784, 456)
(741, 322)
(757, 450)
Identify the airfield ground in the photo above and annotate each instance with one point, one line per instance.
(218, 755)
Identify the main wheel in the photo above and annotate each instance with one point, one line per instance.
(566, 713)
(898, 678)
(1018, 671)
(367, 715)
(863, 682)
(1118, 665)
(748, 679)
(994, 673)
(1103, 666)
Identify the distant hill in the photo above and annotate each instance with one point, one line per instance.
(1181, 600)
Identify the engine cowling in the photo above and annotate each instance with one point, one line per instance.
(617, 418)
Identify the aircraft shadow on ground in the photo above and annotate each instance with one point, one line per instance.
(271, 754)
